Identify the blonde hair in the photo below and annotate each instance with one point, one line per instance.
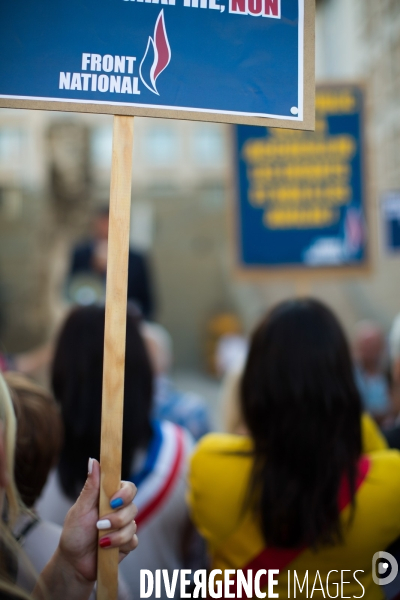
(7, 416)
(9, 425)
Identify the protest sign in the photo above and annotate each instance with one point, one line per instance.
(236, 61)
(301, 200)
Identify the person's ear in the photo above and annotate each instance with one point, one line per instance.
(396, 371)
(4, 475)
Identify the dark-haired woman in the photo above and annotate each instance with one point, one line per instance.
(154, 454)
(297, 494)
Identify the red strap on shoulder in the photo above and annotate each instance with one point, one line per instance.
(280, 558)
(344, 491)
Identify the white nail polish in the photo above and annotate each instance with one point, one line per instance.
(90, 466)
(103, 524)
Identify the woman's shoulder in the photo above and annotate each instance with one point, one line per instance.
(218, 452)
(372, 438)
(39, 540)
(219, 470)
(383, 478)
(218, 479)
(385, 464)
(224, 444)
(379, 496)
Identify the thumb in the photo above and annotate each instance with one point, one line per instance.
(89, 496)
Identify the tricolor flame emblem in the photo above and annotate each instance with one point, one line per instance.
(158, 47)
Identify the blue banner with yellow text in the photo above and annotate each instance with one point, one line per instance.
(301, 195)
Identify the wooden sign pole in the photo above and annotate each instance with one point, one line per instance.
(114, 341)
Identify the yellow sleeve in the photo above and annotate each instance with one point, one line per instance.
(219, 469)
(372, 439)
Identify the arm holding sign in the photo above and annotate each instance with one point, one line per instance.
(71, 573)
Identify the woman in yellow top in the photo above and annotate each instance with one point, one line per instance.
(298, 495)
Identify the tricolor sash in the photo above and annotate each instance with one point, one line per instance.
(162, 466)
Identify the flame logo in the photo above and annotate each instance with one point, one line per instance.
(159, 44)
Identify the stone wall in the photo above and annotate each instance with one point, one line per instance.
(182, 197)
(40, 214)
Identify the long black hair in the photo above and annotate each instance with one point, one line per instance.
(302, 408)
(77, 373)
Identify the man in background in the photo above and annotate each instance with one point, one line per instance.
(90, 258)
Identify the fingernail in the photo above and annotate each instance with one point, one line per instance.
(90, 466)
(103, 524)
(105, 542)
(116, 503)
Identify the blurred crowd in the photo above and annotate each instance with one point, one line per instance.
(302, 473)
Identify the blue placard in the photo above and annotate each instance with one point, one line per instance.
(301, 194)
(223, 57)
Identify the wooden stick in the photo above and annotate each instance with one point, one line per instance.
(114, 341)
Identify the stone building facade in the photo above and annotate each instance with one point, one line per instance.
(55, 168)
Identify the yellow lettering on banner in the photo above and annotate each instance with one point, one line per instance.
(301, 172)
(292, 218)
(335, 102)
(301, 178)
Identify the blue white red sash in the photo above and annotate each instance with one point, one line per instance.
(163, 464)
